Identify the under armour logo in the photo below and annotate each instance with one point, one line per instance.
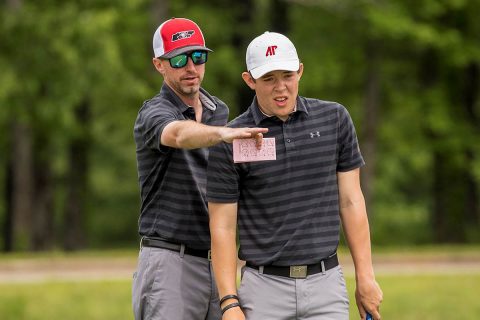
(314, 134)
(271, 51)
(182, 35)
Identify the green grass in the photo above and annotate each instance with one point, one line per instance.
(100, 300)
(426, 297)
(405, 297)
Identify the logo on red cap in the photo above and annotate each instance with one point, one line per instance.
(182, 35)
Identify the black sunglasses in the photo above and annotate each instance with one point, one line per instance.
(180, 61)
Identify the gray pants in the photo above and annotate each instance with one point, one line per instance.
(319, 296)
(168, 286)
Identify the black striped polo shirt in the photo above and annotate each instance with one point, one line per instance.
(288, 210)
(173, 181)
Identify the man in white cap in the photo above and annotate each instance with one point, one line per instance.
(173, 131)
(289, 209)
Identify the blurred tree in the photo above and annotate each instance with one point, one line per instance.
(19, 166)
(77, 179)
(240, 39)
(438, 40)
(381, 46)
(346, 66)
(280, 18)
(73, 54)
(455, 72)
(160, 11)
(21, 196)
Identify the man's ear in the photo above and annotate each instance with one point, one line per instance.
(247, 77)
(300, 71)
(158, 65)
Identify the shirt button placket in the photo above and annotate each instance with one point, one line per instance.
(289, 143)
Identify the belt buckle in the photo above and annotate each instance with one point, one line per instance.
(298, 272)
(209, 255)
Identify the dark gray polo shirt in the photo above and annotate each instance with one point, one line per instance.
(173, 181)
(288, 211)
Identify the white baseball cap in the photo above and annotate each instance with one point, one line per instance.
(271, 51)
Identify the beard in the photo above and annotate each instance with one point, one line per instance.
(187, 90)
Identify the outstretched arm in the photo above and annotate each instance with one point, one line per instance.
(189, 134)
(355, 225)
(223, 229)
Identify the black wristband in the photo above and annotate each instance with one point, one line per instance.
(228, 296)
(229, 306)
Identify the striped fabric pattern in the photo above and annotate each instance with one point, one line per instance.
(288, 207)
(173, 181)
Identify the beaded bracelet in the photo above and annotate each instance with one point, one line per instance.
(228, 296)
(229, 306)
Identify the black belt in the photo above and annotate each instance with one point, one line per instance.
(157, 243)
(300, 271)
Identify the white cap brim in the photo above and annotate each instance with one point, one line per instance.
(289, 65)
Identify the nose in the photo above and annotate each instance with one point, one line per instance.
(190, 65)
(280, 84)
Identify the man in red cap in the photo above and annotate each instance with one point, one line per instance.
(172, 132)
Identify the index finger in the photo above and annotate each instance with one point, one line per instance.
(258, 140)
(258, 130)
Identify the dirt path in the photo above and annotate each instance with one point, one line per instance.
(113, 268)
(407, 265)
(48, 269)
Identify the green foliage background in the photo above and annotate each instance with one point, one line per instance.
(56, 54)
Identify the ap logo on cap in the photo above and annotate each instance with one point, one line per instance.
(271, 51)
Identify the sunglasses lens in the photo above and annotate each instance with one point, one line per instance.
(199, 57)
(179, 61)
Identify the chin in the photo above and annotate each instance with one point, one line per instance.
(190, 90)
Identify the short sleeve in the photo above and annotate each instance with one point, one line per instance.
(151, 121)
(222, 175)
(349, 156)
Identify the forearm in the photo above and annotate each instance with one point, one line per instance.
(355, 224)
(191, 135)
(224, 261)
(188, 134)
(224, 247)
(357, 234)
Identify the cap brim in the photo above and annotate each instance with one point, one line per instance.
(181, 50)
(290, 65)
